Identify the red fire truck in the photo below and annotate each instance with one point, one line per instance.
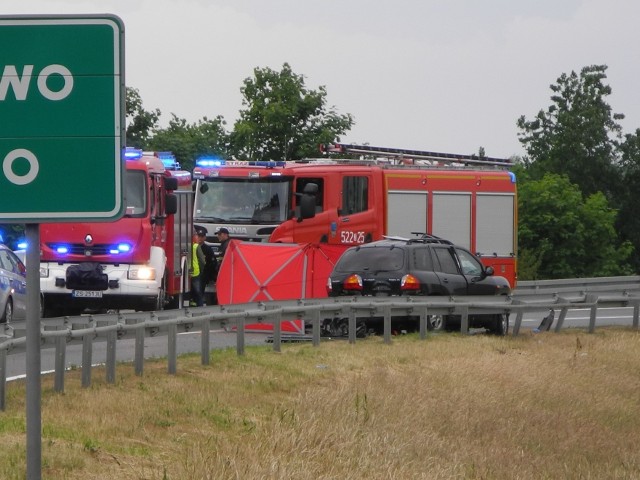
(138, 262)
(467, 199)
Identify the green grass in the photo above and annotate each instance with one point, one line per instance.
(469, 407)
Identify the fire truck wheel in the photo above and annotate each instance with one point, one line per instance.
(161, 295)
(160, 300)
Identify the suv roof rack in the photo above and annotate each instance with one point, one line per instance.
(421, 238)
(427, 238)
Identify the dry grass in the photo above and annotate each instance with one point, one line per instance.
(545, 406)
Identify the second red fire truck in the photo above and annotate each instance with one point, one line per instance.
(387, 192)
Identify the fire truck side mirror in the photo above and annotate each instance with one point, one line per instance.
(170, 204)
(171, 183)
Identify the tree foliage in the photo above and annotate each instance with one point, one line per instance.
(627, 196)
(577, 135)
(188, 141)
(563, 235)
(283, 119)
(140, 122)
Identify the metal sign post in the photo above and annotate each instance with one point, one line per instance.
(61, 137)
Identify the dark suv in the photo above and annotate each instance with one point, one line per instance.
(426, 265)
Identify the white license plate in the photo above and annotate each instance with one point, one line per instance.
(86, 294)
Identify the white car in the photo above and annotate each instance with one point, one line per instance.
(13, 286)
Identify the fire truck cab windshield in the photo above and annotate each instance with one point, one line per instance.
(257, 200)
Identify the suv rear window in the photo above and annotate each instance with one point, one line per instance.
(373, 258)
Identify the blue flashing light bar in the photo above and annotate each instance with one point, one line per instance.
(267, 163)
(209, 162)
(62, 249)
(22, 245)
(131, 153)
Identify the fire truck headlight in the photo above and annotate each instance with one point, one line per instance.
(142, 273)
(44, 272)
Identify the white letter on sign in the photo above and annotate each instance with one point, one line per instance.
(64, 91)
(7, 166)
(20, 85)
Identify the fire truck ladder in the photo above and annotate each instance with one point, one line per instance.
(401, 154)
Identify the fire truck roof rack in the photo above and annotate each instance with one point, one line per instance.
(401, 155)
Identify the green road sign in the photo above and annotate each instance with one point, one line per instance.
(61, 118)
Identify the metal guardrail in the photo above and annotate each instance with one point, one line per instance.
(545, 295)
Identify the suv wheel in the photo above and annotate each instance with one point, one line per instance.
(437, 323)
(501, 325)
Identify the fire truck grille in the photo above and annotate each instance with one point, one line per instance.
(80, 249)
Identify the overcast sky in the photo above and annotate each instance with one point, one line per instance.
(440, 75)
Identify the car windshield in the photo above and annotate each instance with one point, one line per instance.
(379, 259)
(260, 200)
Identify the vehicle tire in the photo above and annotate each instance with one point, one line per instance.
(501, 325)
(7, 315)
(437, 323)
(162, 295)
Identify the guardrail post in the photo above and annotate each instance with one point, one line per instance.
(60, 361)
(112, 337)
(87, 344)
(240, 335)
(594, 311)
(561, 317)
(352, 325)
(464, 319)
(636, 314)
(387, 324)
(3, 378)
(172, 350)
(518, 322)
(423, 323)
(315, 327)
(205, 327)
(138, 355)
(277, 332)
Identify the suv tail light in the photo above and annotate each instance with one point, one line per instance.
(352, 282)
(409, 282)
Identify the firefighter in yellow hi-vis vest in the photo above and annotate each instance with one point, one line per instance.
(197, 268)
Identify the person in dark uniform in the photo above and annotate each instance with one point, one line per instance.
(223, 236)
(210, 270)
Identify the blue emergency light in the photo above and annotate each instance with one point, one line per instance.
(120, 248)
(209, 162)
(131, 153)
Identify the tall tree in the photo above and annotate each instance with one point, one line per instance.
(283, 119)
(140, 122)
(577, 135)
(188, 141)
